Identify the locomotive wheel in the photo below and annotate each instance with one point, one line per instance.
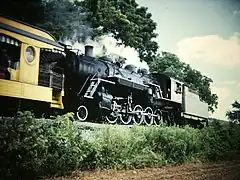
(111, 118)
(158, 120)
(148, 119)
(138, 118)
(125, 118)
(82, 113)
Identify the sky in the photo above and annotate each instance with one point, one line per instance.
(204, 34)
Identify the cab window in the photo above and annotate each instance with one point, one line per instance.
(9, 55)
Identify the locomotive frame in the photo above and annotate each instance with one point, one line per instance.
(36, 71)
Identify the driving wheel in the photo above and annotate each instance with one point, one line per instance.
(148, 118)
(158, 119)
(137, 116)
(82, 113)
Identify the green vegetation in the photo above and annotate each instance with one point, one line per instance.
(32, 147)
(234, 115)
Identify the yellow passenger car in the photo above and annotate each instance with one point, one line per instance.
(28, 75)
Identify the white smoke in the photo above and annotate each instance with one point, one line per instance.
(111, 47)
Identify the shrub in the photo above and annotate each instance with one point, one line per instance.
(220, 140)
(123, 148)
(31, 147)
(144, 146)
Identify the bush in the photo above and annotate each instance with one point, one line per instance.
(31, 148)
(219, 141)
(124, 148)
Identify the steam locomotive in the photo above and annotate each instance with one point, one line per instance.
(36, 72)
(102, 90)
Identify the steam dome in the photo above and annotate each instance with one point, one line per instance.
(131, 68)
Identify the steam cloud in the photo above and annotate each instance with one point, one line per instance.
(108, 45)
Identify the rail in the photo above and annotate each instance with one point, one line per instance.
(51, 79)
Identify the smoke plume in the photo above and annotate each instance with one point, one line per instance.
(107, 45)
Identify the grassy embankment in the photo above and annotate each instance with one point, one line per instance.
(32, 147)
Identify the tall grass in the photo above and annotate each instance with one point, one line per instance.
(32, 147)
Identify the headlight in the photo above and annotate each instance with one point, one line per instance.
(30, 54)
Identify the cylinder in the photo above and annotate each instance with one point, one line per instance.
(89, 50)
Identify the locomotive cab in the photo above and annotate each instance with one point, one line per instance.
(176, 91)
(165, 84)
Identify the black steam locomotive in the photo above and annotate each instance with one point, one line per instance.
(99, 89)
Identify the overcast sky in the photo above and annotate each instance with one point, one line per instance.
(205, 34)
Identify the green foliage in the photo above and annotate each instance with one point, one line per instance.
(65, 20)
(126, 21)
(60, 17)
(220, 140)
(178, 145)
(170, 65)
(124, 148)
(234, 115)
(31, 148)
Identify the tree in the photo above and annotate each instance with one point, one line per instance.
(65, 20)
(169, 64)
(234, 115)
(128, 23)
(62, 18)
(30, 11)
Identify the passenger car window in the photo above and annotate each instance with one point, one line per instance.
(178, 88)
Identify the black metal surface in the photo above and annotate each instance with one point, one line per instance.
(83, 66)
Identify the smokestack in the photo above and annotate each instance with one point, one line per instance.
(89, 50)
